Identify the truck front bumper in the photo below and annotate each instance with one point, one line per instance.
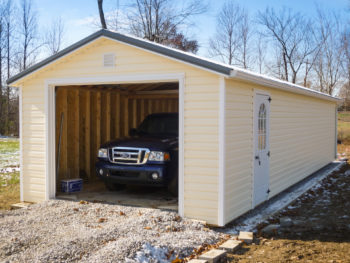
(138, 175)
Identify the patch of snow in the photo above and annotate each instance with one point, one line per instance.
(9, 170)
(151, 254)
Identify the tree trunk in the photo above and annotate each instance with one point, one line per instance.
(102, 16)
(285, 66)
(3, 115)
(8, 75)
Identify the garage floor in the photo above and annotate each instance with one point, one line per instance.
(139, 196)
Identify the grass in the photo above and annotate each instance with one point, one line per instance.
(9, 190)
(9, 181)
(344, 133)
(9, 145)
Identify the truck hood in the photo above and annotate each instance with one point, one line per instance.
(152, 143)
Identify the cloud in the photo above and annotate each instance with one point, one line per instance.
(113, 18)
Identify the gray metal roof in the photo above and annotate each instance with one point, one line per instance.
(151, 46)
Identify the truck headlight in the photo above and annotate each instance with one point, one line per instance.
(102, 153)
(159, 156)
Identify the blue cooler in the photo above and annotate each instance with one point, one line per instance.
(71, 185)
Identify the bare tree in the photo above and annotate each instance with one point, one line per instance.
(231, 42)
(295, 37)
(54, 36)
(102, 16)
(244, 49)
(2, 47)
(7, 23)
(329, 59)
(345, 90)
(161, 20)
(28, 34)
(260, 53)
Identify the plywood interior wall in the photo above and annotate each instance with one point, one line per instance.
(94, 115)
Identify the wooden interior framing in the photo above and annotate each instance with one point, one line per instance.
(93, 115)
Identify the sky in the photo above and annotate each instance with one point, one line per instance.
(78, 14)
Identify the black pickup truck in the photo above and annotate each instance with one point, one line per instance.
(149, 156)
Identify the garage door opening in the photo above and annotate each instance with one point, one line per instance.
(88, 116)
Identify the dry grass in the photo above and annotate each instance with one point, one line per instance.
(9, 178)
(9, 195)
(344, 133)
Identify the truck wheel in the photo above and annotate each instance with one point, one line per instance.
(173, 186)
(114, 187)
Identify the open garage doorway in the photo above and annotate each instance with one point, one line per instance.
(88, 116)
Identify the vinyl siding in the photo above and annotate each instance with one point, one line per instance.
(302, 138)
(238, 149)
(201, 97)
(33, 139)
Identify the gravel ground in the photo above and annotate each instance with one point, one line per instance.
(66, 231)
(314, 228)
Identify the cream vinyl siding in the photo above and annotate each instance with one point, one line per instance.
(33, 138)
(238, 149)
(302, 140)
(201, 113)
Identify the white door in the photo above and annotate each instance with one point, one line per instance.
(261, 148)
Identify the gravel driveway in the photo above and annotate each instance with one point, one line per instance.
(66, 231)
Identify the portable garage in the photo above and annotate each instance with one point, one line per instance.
(243, 137)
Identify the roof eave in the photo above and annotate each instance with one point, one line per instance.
(281, 85)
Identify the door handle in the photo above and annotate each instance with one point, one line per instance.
(257, 157)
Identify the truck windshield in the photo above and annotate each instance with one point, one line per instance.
(156, 125)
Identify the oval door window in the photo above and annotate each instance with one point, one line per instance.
(262, 127)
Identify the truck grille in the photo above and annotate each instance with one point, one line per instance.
(128, 155)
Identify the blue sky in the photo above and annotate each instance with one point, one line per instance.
(78, 13)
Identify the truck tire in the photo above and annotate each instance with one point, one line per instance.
(114, 187)
(173, 186)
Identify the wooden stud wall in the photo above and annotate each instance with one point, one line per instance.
(96, 115)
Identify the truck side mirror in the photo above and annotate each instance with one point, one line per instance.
(133, 132)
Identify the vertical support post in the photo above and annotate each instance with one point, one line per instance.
(87, 134)
(76, 99)
(98, 121)
(117, 112)
(126, 115)
(108, 116)
(134, 113)
(64, 144)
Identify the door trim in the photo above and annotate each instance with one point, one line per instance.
(256, 92)
(50, 120)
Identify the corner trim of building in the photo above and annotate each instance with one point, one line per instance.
(222, 125)
(336, 133)
(21, 184)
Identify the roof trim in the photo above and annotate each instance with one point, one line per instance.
(207, 64)
(279, 84)
(138, 42)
